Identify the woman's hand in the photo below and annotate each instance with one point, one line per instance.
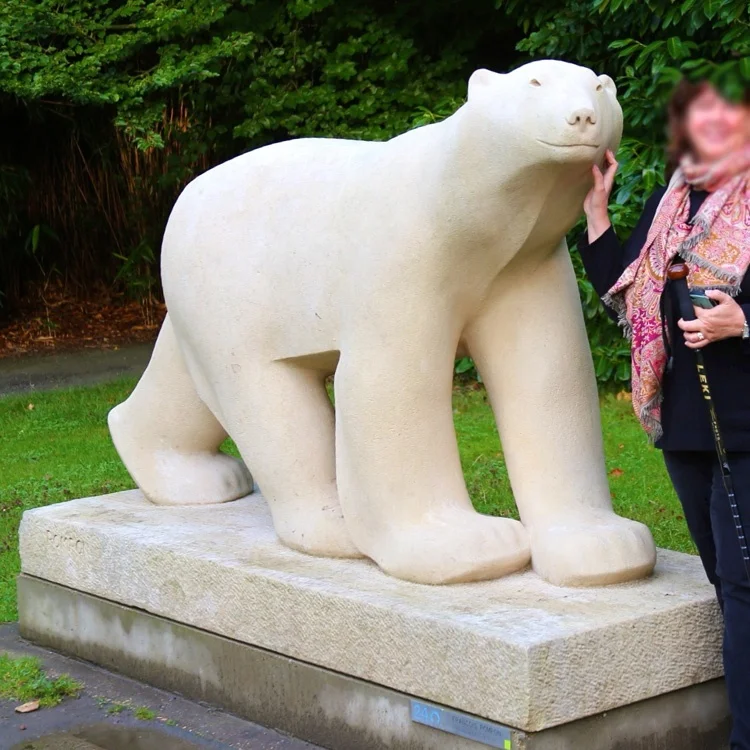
(712, 175)
(596, 203)
(724, 321)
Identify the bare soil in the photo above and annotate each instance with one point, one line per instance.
(52, 321)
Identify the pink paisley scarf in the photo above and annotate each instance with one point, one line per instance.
(716, 247)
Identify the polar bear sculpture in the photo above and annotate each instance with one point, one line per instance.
(379, 261)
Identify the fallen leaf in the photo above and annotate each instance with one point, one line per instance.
(616, 473)
(27, 708)
(30, 407)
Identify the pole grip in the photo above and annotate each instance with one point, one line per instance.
(677, 274)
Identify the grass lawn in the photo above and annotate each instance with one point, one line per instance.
(22, 679)
(55, 446)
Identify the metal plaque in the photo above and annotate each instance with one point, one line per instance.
(463, 725)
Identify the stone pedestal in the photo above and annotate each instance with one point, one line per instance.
(207, 602)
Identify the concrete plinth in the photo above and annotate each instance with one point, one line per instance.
(206, 601)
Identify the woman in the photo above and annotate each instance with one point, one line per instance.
(704, 217)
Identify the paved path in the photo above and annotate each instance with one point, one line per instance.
(36, 372)
(190, 724)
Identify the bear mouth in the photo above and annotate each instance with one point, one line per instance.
(568, 145)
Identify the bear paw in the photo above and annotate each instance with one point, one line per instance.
(452, 546)
(168, 476)
(194, 479)
(315, 529)
(590, 548)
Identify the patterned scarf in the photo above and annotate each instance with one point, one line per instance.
(716, 247)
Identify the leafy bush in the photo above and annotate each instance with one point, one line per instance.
(113, 107)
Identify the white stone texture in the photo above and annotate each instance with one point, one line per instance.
(380, 261)
(515, 650)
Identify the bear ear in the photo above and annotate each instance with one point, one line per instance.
(481, 77)
(608, 84)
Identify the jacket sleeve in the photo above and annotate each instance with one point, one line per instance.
(603, 259)
(606, 258)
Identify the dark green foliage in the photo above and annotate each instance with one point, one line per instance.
(114, 106)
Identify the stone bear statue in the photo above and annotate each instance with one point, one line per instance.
(379, 261)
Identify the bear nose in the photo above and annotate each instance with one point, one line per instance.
(582, 117)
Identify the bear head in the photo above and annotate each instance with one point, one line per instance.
(548, 111)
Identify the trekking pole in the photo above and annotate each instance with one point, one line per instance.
(677, 274)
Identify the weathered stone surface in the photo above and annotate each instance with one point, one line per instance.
(517, 650)
(379, 261)
(331, 709)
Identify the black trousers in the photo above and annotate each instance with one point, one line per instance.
(697, 479)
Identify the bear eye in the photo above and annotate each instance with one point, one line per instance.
(599, 87)
(534, 82)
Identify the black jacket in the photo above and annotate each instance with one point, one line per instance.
(684, 414)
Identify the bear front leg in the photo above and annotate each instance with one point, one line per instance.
(531, 348)
(398, 471)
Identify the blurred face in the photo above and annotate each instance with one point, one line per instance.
(716, 126)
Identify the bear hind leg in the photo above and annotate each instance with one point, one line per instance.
(168, 438)
(282, 421)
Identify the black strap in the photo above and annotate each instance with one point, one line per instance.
(666, 312)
